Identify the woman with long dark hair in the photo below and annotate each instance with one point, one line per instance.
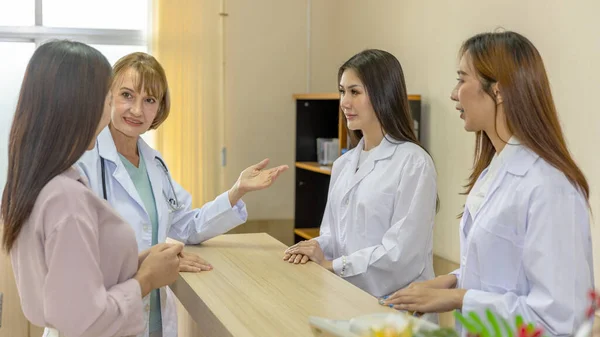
(377, 230)
(75, 260)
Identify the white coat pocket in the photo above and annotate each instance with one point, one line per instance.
(379, 209)
(500, 256)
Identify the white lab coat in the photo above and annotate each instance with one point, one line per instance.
(381, 217)
(188, 225)
(528, 249)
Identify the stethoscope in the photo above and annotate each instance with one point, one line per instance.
(173, 202)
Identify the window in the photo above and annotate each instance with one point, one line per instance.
(114, 27)
(12, 68)
(100, 14)
(114, 52)
(17, 13)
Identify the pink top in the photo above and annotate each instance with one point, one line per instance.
(74, 263)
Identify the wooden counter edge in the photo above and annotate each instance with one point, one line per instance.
(206, 321)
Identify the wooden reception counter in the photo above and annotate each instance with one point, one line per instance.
(252, 292)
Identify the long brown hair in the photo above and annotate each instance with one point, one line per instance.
(59, 108)
(383, 79)
(151, 75)
(512, 61)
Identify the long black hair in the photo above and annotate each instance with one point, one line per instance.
(59, 109)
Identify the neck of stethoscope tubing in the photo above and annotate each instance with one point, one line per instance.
(162, 164)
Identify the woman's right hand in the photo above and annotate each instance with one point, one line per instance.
(159, 268)
(440, 282)
(156, 248)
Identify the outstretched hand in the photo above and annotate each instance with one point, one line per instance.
(255, 178)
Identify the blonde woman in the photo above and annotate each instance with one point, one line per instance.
(134, 178)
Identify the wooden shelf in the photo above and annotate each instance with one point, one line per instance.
(335, 95)
(307, 233)
(314, 166)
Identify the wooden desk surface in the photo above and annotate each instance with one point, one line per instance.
(252, 292)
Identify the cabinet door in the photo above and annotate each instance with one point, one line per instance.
(311, 198)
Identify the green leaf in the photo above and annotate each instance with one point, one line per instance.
(519, 321)
(445, 332)
(494, 322)
(483, 329)
(507, 327)
(465, 323)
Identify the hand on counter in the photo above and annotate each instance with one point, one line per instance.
(425, 299)
(295, 258)
(307, 250)
(189, 262)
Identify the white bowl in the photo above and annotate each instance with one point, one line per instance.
(363, 324)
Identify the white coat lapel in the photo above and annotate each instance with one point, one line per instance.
(517, 162)
(383, 151)
(467, 221)
(157, 175)
(108, 151)
(495, 184)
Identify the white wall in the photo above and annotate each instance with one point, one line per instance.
(265, 63)
(425, 36)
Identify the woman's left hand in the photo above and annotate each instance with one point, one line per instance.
(255, 178)
(426, 300)
(189, 262)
